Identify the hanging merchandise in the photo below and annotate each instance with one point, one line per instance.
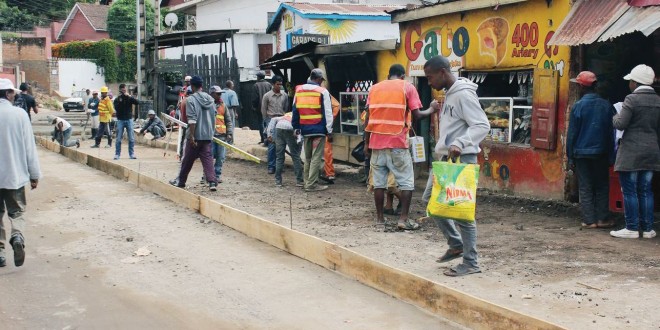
(512, 75)
(417, 149)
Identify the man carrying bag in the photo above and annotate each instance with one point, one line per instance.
(463, 125)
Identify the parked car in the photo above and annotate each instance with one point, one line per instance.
(75, 102)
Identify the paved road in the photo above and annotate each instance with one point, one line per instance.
(81, 269)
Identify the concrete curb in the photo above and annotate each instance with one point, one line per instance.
(436, 298)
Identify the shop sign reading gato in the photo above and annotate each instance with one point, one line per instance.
(444, 40)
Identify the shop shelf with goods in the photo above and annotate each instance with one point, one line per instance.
(352, 106)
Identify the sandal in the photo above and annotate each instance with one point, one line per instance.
(461, 270)
(408, 225)
(589, 226)
(451, 254)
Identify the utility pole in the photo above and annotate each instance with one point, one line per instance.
(138, 29)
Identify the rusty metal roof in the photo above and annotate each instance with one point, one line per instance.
(601, 20)
(644, 3)
(645, 20)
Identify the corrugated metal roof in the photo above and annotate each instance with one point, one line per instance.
(644, 3)
(342, 9)
(645, 20)
(587, 21)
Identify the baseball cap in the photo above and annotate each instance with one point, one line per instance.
(7, 84)
(216, 89)
(642, 74)
(151, 112)
(585, 78)
(188, 78)
(316, 74)
(196, 80)
(95, 92)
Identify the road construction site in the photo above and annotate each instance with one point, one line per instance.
(535, 259)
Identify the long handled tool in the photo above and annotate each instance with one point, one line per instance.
(240, 151)
(179, 140)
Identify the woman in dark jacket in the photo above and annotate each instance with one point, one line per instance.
(639, 152)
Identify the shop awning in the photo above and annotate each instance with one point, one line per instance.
(590, 21)
(187, 38)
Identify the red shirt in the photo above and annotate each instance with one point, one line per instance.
(400, 141)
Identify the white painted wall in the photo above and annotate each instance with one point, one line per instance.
(83, 73)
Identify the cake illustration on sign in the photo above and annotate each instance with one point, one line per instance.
(493, 34)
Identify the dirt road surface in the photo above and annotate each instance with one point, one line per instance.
(82, 270)
(534, 257)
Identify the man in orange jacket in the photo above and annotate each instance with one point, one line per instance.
(391, 103)
(328, 167)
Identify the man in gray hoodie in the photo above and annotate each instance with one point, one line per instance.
(200, 110)
(463, 125)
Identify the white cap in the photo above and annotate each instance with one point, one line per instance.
(188, 78)
(7, 84)
(642, 74)
(151, 112)
(216, 89)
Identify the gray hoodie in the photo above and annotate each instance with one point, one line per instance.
(463, 123)
(200, 110)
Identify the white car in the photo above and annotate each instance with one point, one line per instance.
(76, 101)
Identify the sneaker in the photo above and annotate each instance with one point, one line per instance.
(316, 188)
(327, 179)
(175, 182)
(213, 186)
(278, 184)
(109, 146)
(116, 157)
(77, 143)
(624, 233)
(132, 157)
(648, 234)
(94, 146)
(300, 184)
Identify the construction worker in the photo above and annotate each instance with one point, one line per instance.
(93, 111)
(62, 133)
(312, 117)
(106, 110)
(224, 130)
(328, 167)
(386, 139)
(280, 132)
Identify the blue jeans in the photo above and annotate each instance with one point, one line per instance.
(128, 124)
(637, 199)
(271, 146)
(283, 139)
(63, 137)
(219, 154)
(466, 240)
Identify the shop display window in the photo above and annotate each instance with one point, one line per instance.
(352, 105)
(506, 97)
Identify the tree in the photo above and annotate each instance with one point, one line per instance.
(121, 20)
(15, 19)
(47, 10)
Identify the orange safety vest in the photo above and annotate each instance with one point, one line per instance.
(220, 127)
(308, 104)
(387, 108)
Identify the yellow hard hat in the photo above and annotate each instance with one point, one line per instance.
(104, 89)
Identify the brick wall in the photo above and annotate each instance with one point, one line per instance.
(80, 29)
(30, 54)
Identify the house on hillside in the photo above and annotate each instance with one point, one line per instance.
(296, 23)
(252, 44)
(85, 22)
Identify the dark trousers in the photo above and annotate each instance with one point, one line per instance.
(104, 128)
(201, 151)
(594, 187)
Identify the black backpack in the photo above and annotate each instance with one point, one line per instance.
(21, 102)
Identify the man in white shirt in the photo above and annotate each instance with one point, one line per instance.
(20, 166)
(62, 133)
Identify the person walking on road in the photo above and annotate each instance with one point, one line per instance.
(261, 87)
(590, 150)
(154, 126)
(20, 166)
(312, 117)
(392, 103)
(275, 103)
(463, 125)
(124, 106)
(280, 132)
(93, 111)
(62, 133)
(230, 99)
(224, 130)
(200, 112)
(106, 110)
(639, 152)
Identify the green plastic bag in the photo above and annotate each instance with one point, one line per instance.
(454, 194)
